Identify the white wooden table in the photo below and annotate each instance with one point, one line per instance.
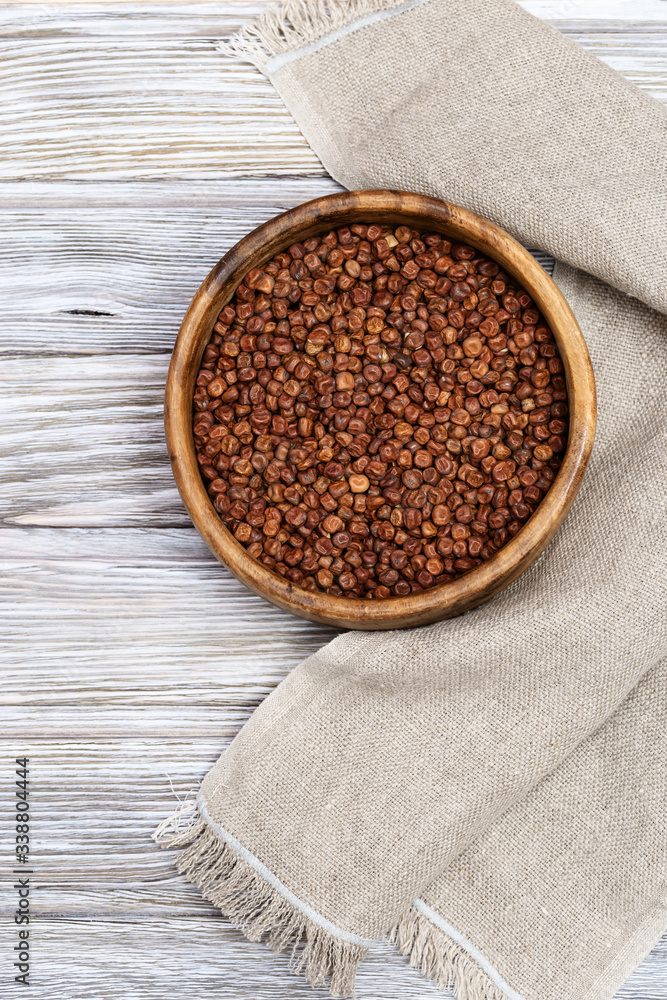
(133, 156)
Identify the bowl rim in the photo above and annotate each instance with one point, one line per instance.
(421, 211)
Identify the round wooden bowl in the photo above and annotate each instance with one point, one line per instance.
(419, 212)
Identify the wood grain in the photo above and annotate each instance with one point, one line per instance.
(110, 266)
(84, 442)
(129, 92)
(133, 157)
(136, 617)
(174, 957)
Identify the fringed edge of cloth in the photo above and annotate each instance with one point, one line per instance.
(444, 961)
(254, 906)
(295, 24)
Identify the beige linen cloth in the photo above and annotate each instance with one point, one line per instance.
(490, 793)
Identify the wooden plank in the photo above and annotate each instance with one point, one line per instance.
(133, 105)
(127, 17)
(605, 11)
(125, 547)
(132, 618)
(94, 267)
(209, 721)
(84, 442)
(173, 957)
(208, 19)
(198, 954)
(121, 107)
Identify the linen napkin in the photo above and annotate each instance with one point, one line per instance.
(490, 792)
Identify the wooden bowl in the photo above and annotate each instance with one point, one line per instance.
(419, 212)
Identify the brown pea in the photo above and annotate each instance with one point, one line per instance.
(332, 523)
(501, 472)
(216, 387)
(540, 379)
(296, 516)
(358, 483)
(479, 448)
(464, 514)
(501, 452)
(441, 514)
(412, 518)
(347, 405)
(243, 532)
(461, 417)
(345, 381)
(422, 458)
(472, 346)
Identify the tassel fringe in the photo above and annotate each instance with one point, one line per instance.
(442, 960)
(295, 23)
(255, 907)
(263, 914)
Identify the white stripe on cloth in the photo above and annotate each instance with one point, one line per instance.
(338, 932)
(276, 884)
(278, 62)
(466, 946)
